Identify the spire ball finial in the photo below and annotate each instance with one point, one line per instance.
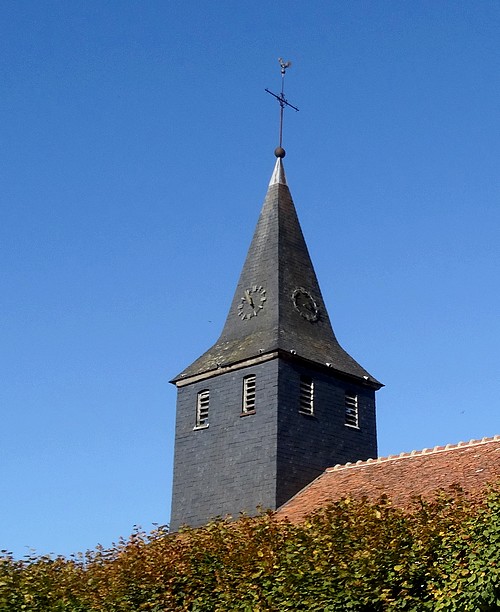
(280, 152)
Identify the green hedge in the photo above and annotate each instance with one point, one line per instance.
(357, 556)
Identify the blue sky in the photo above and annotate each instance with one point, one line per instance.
(136, 143)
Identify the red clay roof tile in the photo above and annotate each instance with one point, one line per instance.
(471, 465)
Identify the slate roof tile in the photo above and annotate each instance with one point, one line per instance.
(277, 265)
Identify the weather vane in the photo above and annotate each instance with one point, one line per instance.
(280, 152)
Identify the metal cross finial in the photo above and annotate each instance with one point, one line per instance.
(283, 102)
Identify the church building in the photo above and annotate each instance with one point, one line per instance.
(276, 401)
(277, 415)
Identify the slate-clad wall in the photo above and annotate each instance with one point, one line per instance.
(239, 463)
(307, 445)
(231, 465)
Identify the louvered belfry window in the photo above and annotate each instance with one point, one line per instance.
(248, 394)
(351, 409)
(306, 395)
(202, 404)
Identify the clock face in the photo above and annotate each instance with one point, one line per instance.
(252, 302)
(305, 304)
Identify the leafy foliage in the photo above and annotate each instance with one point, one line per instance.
(442, 555)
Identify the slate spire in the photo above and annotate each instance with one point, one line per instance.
(277, 309)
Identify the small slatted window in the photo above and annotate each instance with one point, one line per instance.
(248, 394)
(351, 409)
(202, 404)
(306, 395)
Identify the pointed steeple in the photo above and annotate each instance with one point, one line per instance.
(277, 309)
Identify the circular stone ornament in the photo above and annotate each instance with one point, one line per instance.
(305, 304)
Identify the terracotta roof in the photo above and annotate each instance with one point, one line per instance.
(471, 465)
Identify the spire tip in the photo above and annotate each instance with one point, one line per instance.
(280, 152)
(278, 176)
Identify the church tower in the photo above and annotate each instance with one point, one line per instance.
(276, 400)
